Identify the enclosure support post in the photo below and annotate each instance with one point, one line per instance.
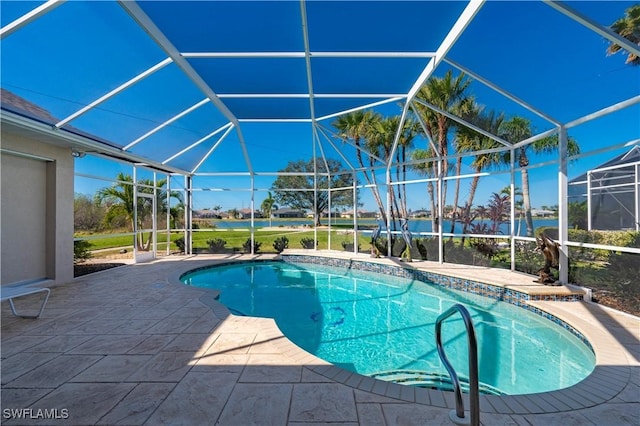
(440, 214)
(252, 203)
(389, 189)
(512, 192)
(135, 212)
(355, 214)
(168, 218)
(329, 209)
(154, 216)
(589, 224)
(188, 218)
(563, 216)
(316, 219)
(636, 219)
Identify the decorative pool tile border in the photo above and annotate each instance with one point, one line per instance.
(514, 297)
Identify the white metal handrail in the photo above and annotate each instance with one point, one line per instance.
(458, 415)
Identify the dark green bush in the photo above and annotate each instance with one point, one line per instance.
(280, 244)
(422, 248)
(397, 247)
(623, 275)
(246, 246)
(216, 245)
(81, 251)
(348, 246)
(180, 243)
(308, 243)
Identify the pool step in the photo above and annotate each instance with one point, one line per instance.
(431, 380)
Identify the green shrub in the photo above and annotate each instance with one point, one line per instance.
(348, 246)
(422, 248)
(180, 244)
(280, 244)
(308, 243)
(216, 245)
(528, 260)
(246, 246)
(397, 247)
(81, 251)
(623, 275)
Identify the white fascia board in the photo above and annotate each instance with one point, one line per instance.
(84, 142)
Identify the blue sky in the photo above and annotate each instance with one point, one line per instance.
(80, 51)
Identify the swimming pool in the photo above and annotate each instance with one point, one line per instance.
(383, 326)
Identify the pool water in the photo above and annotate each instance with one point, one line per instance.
(384, 326)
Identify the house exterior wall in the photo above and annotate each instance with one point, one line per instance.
(37, 210)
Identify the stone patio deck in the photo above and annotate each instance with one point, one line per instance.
(132, 346)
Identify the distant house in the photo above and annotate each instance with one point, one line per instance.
(286, 213)
(420, 213)
(542, 213)
(205, 214)
(246, 214)
(361, 214)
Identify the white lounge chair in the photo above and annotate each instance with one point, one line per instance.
(11, 293)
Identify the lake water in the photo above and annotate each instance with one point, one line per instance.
(415, 226)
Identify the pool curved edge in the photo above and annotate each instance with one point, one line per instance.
(611, 375)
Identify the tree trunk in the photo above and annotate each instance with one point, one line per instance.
(370, 180)
(430, 190)
(455, 196)
(467, 207)
(527, 202)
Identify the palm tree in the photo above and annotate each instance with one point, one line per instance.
(357, 126)
(268, 205)
(380, 141)
(120, 200)
(517, 129)
(629, 28)
(448, 94)
(469, 140)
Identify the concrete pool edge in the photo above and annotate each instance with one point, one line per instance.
(610, 377)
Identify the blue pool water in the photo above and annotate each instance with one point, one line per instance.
(384, 326)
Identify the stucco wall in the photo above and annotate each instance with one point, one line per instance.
(37, 210)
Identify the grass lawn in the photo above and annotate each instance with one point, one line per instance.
(234, 239)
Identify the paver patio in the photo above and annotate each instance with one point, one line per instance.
(133, 346)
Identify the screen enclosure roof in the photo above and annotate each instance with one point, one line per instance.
(243, 86)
